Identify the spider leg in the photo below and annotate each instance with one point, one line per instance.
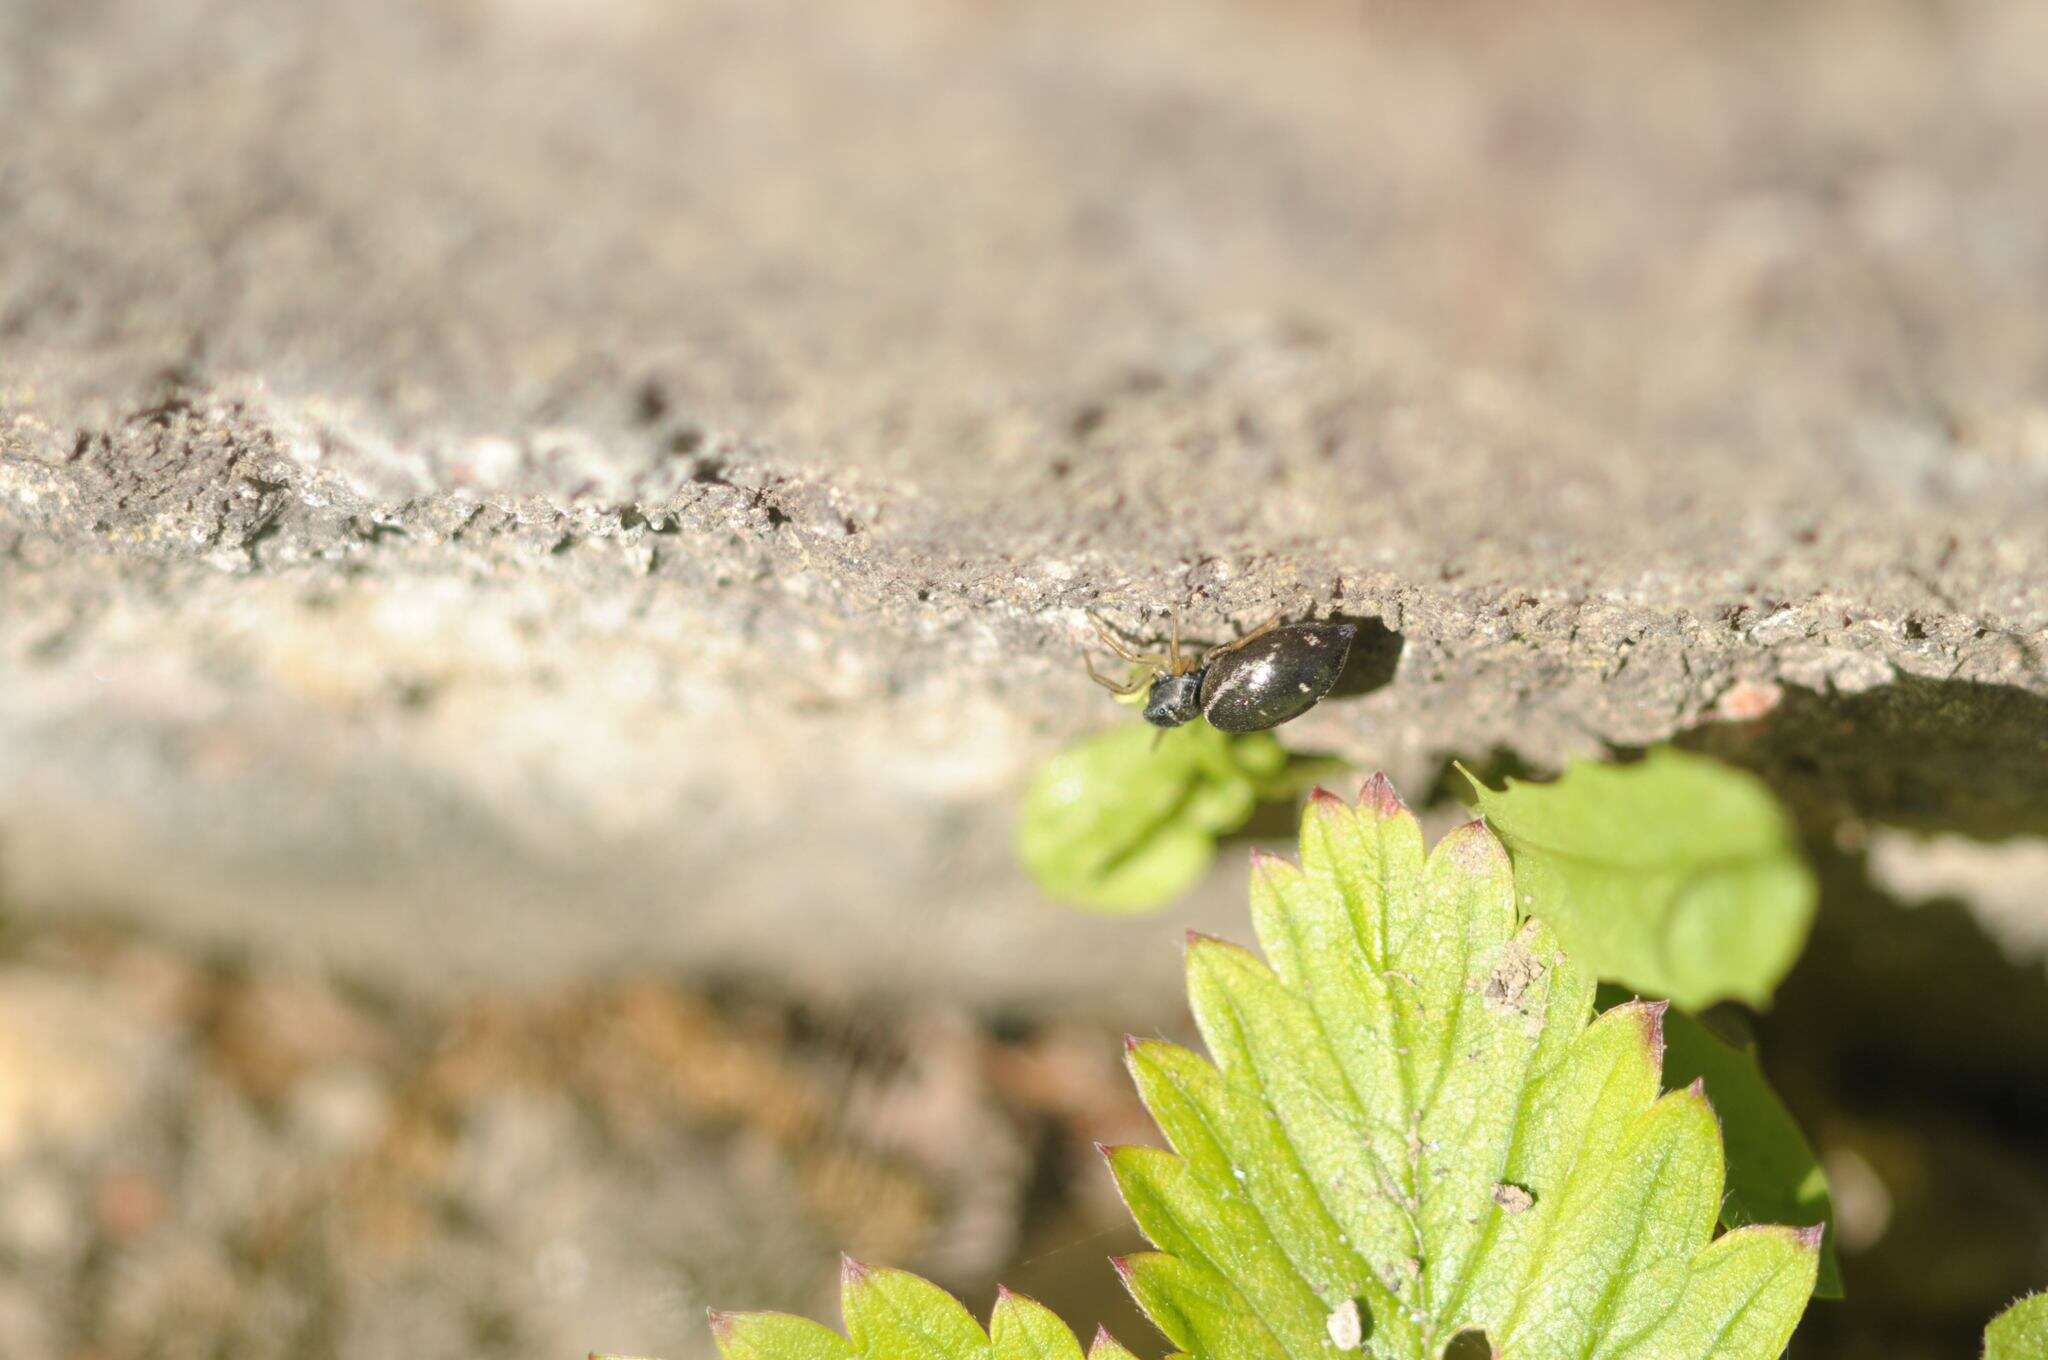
(1122, 649)
(1114, 687)
(1255, 633)
(1268, 626)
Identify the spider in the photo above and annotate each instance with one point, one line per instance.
(1273, 673)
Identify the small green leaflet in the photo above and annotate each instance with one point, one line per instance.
(1410, 1110)
(1119, 824)
(2020, 1332)
(1412, 1130)
(1676, 875)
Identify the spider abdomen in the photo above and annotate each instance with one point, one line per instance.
(1275, 676)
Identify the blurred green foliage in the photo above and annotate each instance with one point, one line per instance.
(1676, 875)
(1127, 820)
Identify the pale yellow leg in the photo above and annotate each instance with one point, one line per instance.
(1117, 645)
(1118, 689)
(1268, 626)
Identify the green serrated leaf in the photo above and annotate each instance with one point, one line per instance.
(1107, 1347)
(1676, 875)
(776, 1336)
(1127, 820)
(2020, 1332)
(1412, 1130)
(1773, 1175)
(1025, 1329)
(894, 1315)
(1413, 1117)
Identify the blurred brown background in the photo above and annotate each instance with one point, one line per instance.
(538, 542)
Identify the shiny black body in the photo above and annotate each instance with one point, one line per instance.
(1259, 683)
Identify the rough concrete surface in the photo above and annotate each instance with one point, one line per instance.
(540, 541)
(499, 488)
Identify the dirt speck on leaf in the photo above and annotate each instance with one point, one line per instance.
(1507, 986)
(1347, 1330)
(1513, 1198)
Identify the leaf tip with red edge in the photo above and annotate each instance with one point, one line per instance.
(1378, 797)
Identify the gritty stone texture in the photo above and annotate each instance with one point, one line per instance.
(74, 1067)
(299, 1169)
(489, 486)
